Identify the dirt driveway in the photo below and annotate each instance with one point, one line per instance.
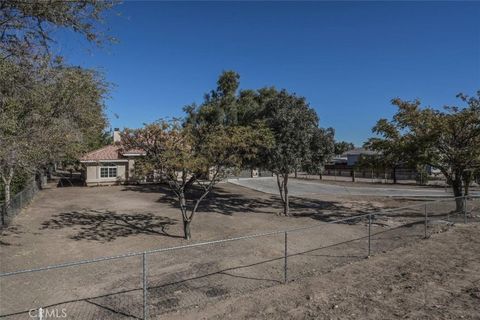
(70, 224)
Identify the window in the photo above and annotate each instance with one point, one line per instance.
(108, 171)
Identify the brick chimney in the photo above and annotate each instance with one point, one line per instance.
(116, 136)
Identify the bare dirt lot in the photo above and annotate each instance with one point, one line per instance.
(64, 224)
(69, 224)
(438, 278)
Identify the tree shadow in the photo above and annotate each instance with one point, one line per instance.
(219, 200)
(69, 180)
(9, 231)
(106, 225)
(226, 199)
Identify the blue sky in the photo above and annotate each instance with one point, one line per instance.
(348, 59)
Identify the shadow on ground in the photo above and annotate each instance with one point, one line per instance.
(106, 225)
(221, 200)
(10, 231)
(66, 179)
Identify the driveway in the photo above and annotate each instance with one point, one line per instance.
(305, 188)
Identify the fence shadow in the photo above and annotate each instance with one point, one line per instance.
(106, 225)
(170, 286)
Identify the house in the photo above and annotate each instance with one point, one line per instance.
(111, 164)
(353, 156)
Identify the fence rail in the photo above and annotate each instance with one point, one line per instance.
(283, 255)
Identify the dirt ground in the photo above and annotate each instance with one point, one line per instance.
(438, 278)
(74, 223)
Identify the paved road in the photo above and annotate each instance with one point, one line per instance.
(304, 188)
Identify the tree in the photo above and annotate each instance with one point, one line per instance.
(187, 155)
(27, 27)
(49, 111)
(396, 148)
(291, 121)
(219, 106)
(322, 148)
(46, 115)
(342, 146)
(447, 139)
(294, 125)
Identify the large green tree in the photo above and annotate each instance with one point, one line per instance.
(447, 139)
(298, 141)
(48, 110)
(294, 125)
(45, 116)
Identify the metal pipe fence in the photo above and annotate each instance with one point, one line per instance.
(18, 202)
(154, 282)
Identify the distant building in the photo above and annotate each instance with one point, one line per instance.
(354, 155)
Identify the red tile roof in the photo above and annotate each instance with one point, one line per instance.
(111, 152)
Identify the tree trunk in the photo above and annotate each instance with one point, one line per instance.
(186, 230)
(7, 181)
(286, 203)
(394, 175)
(457, 193)
(7, 192)
(296, 174)
(186, 223)
(467, 180)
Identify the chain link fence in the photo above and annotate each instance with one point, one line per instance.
(18, 202)
(403, 176)
(151, 284)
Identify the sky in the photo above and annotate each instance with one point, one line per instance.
(348, 59)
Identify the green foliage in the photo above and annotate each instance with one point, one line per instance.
(186, 154)
(396, 146)
(342, 146)
(297, 140)
(293, 124)
(48, 112)
(18, 183)
(47, 115)
(447, 139)
(27, 27)
(322, 148)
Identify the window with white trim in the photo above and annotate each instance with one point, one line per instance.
(108, 170)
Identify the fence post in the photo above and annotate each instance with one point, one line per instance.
(426, 220)
(369, 234)
(285, 260)
(465, 209)
(145, 308)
